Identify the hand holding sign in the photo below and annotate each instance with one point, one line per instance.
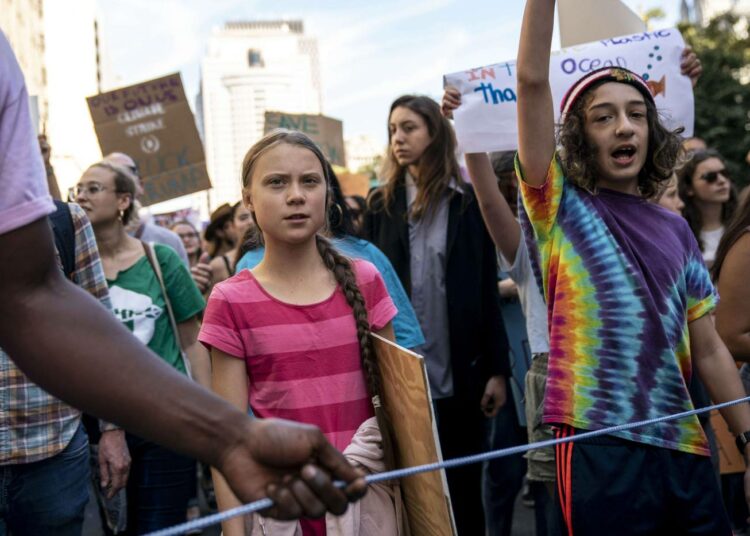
(451, 101)
(486, 120)
(691, 66)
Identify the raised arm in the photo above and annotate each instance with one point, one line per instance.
(498, 216)
(536, 118)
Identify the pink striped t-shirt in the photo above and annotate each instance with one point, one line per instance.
(302, 361)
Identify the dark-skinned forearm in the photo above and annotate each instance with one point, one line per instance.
(74, 348)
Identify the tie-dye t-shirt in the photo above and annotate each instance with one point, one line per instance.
(622, 279)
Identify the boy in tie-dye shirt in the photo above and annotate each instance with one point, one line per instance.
(628, 299)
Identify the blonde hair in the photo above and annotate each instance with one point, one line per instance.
(125, 183)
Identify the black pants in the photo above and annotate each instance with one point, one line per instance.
(607, 485)
(461, 429)
(160, 485)
(503, 477)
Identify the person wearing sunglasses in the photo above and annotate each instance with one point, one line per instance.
(710, 199)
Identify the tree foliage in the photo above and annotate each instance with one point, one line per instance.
(722, 96)
(652, 15)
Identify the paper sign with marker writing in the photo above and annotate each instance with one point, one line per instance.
(487, 119)
(152, 123)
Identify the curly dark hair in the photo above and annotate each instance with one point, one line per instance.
(579, 155)
(692, 212)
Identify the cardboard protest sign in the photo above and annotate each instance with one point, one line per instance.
(354, 183)
(327, 132)
(407, 401)
(583, 21)
(730, 459)
(487, 119)
(152, 123)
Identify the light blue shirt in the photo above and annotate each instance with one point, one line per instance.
(405, 323)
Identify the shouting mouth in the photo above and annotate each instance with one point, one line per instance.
(624, 155)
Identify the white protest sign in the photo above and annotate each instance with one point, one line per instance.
(486, 119)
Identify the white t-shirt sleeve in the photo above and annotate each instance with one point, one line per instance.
(24, 196)
(531, 299)
(520, 270)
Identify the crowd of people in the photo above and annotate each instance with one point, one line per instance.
(594, 256)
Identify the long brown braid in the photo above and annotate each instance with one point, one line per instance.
(343, 273)
(342, 270)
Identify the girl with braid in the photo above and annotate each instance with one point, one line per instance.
(290, 338)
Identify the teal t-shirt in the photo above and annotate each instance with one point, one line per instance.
(138, 303)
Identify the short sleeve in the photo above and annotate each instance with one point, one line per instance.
(542, 202)
(519, 270)
(24, 196)
(219, 329)
(89, 273)
(184, 295)
(702, 297)
(250, 260)
(380, 307)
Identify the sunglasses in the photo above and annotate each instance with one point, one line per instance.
(712, 176)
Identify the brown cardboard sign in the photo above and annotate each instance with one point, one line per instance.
(730, 459)
(407, 401)
(327, 132)
(152, 123)
(584, 21)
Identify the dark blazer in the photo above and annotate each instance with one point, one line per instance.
(479, 346)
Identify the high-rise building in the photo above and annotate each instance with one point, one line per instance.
(251, 67)
(22, 22)
(363, 152)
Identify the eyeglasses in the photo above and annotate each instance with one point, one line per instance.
(186, 236)
(91, 188)
(712, 176)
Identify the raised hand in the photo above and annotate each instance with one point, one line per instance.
(451, 101)
(690, 65)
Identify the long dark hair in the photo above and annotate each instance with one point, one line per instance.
(437, 165)
(579, 156)
(691, 212)
(737, 226)
(339, 265)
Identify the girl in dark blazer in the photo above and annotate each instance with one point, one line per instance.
(425, 218)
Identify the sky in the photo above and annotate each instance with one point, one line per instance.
(370, 52)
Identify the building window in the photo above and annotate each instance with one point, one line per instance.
(254, 58)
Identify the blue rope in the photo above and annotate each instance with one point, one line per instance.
(262, 504)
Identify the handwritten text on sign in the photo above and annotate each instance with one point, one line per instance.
(487, 120)
(152, 123)
(327, 132)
